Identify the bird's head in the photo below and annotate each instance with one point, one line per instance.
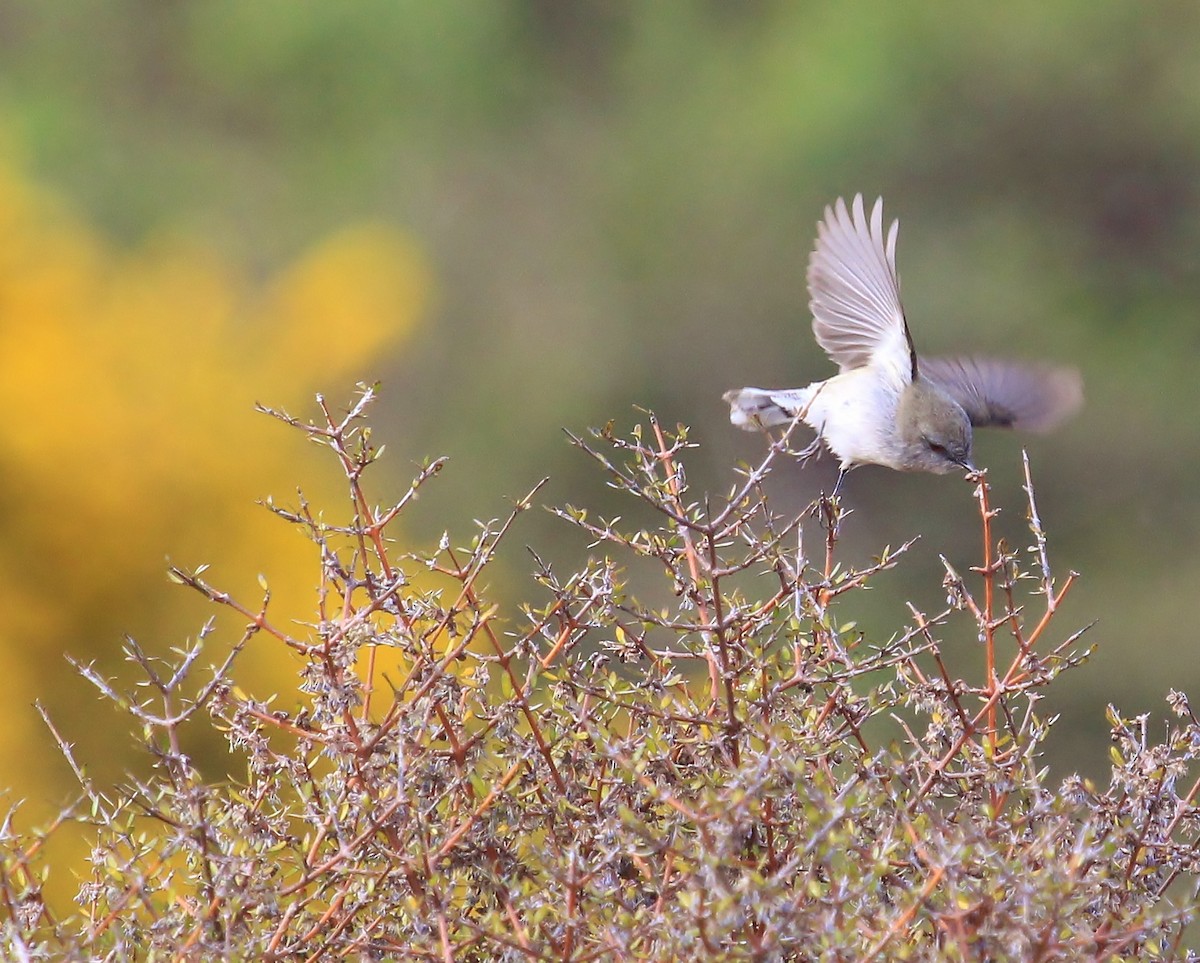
(935, 429)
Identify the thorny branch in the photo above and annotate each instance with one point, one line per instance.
(718, 763)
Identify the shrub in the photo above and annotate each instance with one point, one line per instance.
(738, 774)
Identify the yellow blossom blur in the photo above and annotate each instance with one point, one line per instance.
(127, 385)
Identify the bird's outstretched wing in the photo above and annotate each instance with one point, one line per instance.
(1007, 394)
(854, 290)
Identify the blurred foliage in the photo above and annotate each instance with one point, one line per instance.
(617, 200)
(129, 378)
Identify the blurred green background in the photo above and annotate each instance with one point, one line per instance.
(524, 215)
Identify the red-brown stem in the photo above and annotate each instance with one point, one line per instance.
(718, 669)
(989, 630)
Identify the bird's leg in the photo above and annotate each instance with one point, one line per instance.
(811, 450)
(831, 510)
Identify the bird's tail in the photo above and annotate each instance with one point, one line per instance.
(752, 408)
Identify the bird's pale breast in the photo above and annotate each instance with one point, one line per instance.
(855, 412)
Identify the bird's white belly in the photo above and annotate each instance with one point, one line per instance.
(855, 412)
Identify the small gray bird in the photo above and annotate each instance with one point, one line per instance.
(886, 406)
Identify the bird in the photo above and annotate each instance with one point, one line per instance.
(887, 405)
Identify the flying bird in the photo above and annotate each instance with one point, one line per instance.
(887, 405)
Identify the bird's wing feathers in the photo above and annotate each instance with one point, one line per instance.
(854, 290)
(1007, 394)
(858, 319)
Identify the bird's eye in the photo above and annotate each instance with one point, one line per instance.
(934, 446)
